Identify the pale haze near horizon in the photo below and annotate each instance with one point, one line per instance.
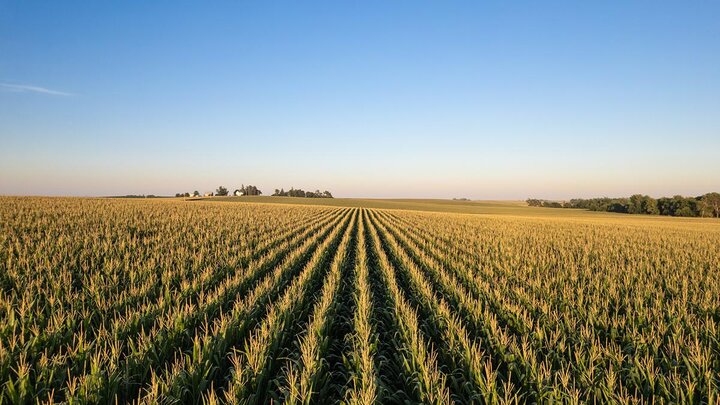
(370, 99)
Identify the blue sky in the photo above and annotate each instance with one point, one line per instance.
(376, 99)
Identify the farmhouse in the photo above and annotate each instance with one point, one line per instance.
(209, 194)
(238, 193)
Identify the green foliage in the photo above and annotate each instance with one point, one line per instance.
(679, 206)
(249, 190)
(301, 193)
(710, 205)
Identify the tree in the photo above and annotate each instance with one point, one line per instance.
(650, 206)
(635, 205)
(684, 207)
(196, 193)
(534, 202)
(710, 205)
(296, 193)
(251, 190)
(221, 191)
(617, 206)
(665, 206)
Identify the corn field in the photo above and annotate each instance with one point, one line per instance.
(152, 301)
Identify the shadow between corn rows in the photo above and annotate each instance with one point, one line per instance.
(430, 328)
(270, 385)
(185, 342)
(518, 330)
(394, 386)
(71, 367)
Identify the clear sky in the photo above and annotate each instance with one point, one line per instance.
(444, 99)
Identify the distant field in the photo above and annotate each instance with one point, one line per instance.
(240, 301)
(484, 207)
(470, 207)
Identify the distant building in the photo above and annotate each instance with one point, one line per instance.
(238, 193)
(210, 194)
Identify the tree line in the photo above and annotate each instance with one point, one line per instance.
(707, 205)
(293, 192)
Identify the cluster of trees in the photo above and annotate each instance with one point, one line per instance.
(248, 190)
(138, 196)
(301, 193)
(194, 194)
(707, 205)
(536, 202)
(243, 190)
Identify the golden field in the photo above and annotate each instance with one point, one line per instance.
(356, 301)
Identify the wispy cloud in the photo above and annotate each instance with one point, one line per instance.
(23, 88)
